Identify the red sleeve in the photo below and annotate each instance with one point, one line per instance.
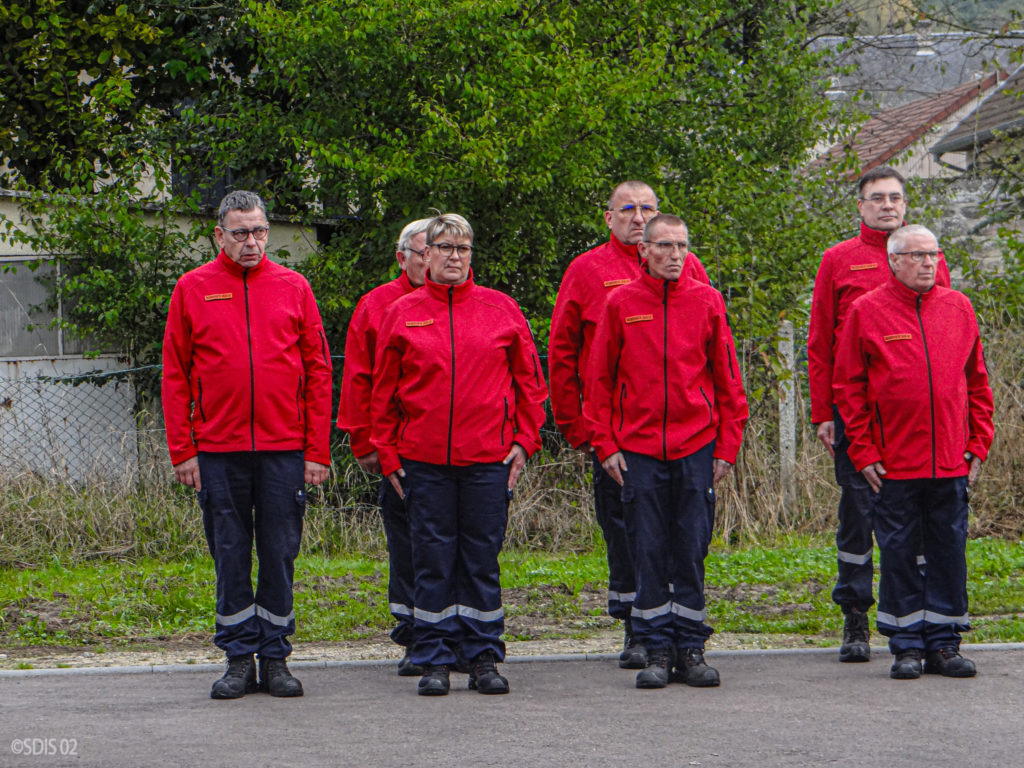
(530, 388)
(316, 362)
(357, 381)
(730, 399)
(942, 272)
(820, 340)
(693, 268)
(175, 386)
(851, 391)
(384, 415)
(600, 376)
(565, 345)
(979, 402)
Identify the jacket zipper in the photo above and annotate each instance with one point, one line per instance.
(451, 402)
(881, 429)
(707, 402)
(252, 368)
(931, 390)
(504, 421)
(298, 401)
(664, 370)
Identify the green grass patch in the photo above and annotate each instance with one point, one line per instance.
(782, 589)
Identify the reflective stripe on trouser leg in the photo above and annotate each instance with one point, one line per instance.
(609, 513)
(457, 518)
(917, 608)
(226, 500)
(400, 573)
(854, 567)
(669, 515)
(280, 506)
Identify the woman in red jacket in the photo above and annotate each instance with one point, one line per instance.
(456, 411)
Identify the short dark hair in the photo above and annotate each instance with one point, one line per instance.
(881, 172)
(668, 220)
(633, 184)
(239, 200)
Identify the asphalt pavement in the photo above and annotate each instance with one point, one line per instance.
(774, 708)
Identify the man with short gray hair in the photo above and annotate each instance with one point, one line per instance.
(247, 407)
(354, 418)
(911, 386)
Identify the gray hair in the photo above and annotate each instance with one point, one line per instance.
(410, 231)
(448, 224)
(239, 200)
(668, 220)
(899, 237)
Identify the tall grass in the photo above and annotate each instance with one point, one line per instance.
(45, 520)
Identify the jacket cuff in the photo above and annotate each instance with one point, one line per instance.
(977, 448)
(182, 454)
(389, 461)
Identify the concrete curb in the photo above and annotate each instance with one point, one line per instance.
(562, 657)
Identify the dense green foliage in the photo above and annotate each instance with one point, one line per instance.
(362, 116)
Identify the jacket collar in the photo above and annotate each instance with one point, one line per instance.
(403, 280)
(907, 295)
(460, 292)
(876, 238)
(235, 268)
(657, 285)
(621, 250)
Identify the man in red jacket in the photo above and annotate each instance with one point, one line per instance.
(913, 391)
(587, 282)
(354, 418)
(457, 407)
(247, 408)
(666, 408)
(849, 270)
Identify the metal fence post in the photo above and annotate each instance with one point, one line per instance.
(787, 419)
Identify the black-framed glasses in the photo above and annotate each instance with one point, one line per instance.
(241, 235)
(422, 254)
(647, 211)
(667, 246)
(918, 257)
(878, 198)
(447, 249)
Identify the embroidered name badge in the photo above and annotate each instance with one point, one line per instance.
(860, 267)
(418, 323)
(613, 283)
(218, 296)
(638, 318)
(897, 337)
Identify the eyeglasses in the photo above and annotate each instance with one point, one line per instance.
(668, 246)
(447, 249)
(895, 198)
(919, 256)
(647, 211)
(241, 235)
(422, 254)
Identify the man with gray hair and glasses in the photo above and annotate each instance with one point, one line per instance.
(354, 418)
(247, 409)
(849, 270)
(912, 389)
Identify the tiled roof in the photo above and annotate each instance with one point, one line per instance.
(887, 134)
(1001, 111)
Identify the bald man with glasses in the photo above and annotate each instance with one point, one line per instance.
(587, 282)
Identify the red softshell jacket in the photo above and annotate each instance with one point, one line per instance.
(587, 282)
(360, 347)
(663, 378)
(848, 270)
(457, 379)
(246, 363)
(911, 382)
